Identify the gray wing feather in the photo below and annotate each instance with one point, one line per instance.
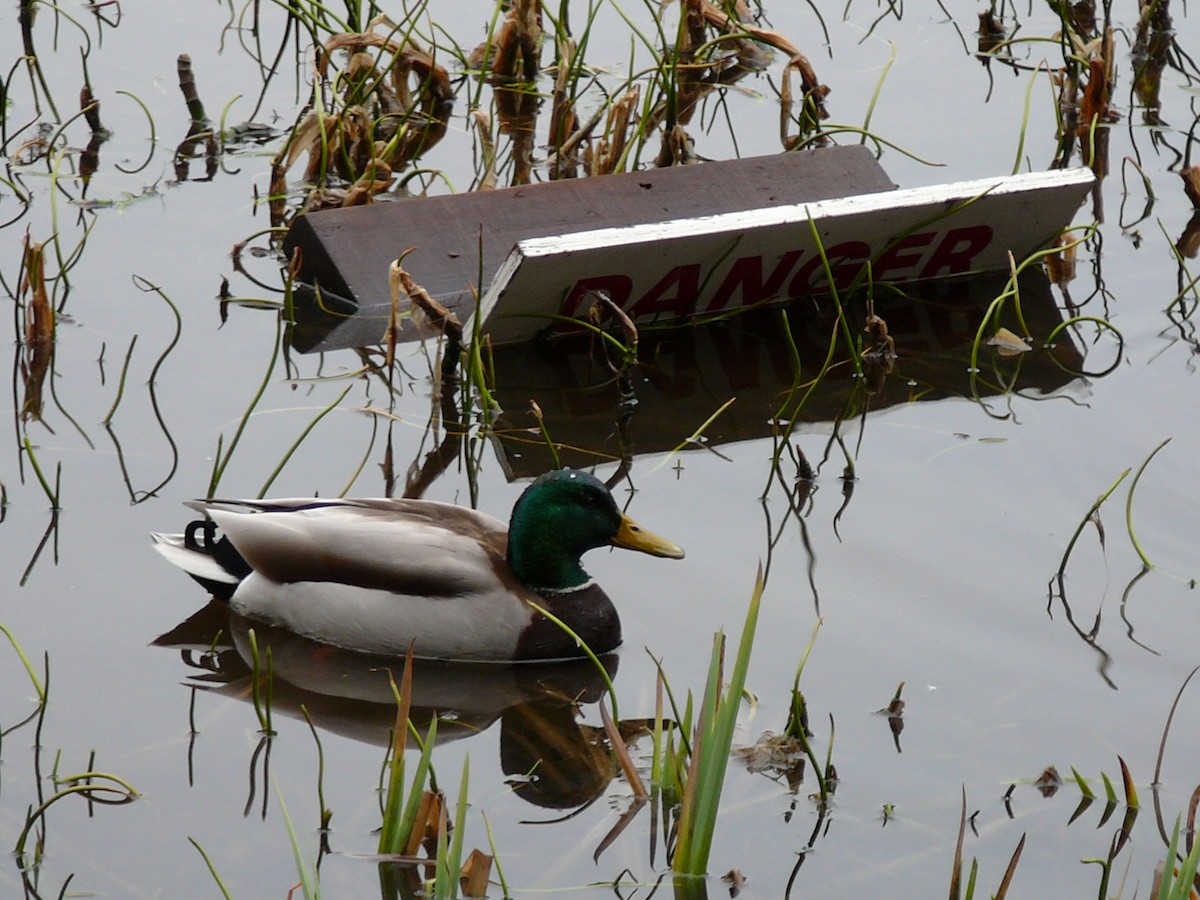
(418, 548)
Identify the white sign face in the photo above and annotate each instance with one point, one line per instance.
(708, 265)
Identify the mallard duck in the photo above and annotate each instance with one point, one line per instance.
(378, 575)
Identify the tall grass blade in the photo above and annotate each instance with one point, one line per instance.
(1083, 785)
(212, 870)
(326, 814)
(1129, 504)
(260, 684)
(1088, 517)
(710, 750)
(308, 880)
(1180, 883)
(37, 684)
(400, 813)
(956, 870)
(296, 444)
(452, 864)
(113, 796)
(1002, 892)
(582, 645)
(622, 752)
(1131, 795)
(406, 833)
(495, 856)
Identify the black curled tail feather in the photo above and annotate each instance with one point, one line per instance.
(200, 536)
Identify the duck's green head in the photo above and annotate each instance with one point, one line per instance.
(561, 516)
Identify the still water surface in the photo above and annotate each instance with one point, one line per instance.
(936, 572)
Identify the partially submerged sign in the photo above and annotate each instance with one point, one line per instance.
(453, 245)
(709, 265)
(668, 243)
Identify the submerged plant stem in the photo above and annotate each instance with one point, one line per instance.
(212, 870)
(121, 382)
(1062, 566)
(710, 750)
(37, 684)
(1129, 505)
(296, 444)
(223, 461)
(612, 691)
(51, 492)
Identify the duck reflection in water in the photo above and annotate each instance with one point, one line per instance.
(554, 760)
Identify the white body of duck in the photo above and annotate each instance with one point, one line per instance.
(381, 576)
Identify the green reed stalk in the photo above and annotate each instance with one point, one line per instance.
(851, 345)
(693, 440)
(792, 415)
(400, 813)
(449, 858)
(866, 126)
(145, 285)
(51, 493)
(1062, 566)
(222, 461)
(1075, 320)
(152, 142)
(366, 457)
(212, 870)
(124, 794)
(326, 813)
(656, 749)
(684, 722)
(495, 856)
(399, 816)
(1110, 793)
(582, 644)
(37, 684)
(710, 749)
(1084, 787)
(545, 432)
(261, 696)
(1129, 504)
(1025, 118)
(121, 382)
(309, 883)
(821, 137)
(299, 440)
(1174, 885)
(476, 371)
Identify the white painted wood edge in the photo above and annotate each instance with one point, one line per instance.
(951, 196)
(743, 220)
